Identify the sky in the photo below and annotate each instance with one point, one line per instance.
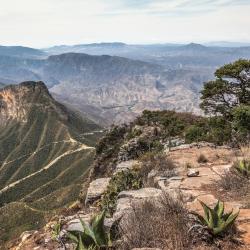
(43, 23)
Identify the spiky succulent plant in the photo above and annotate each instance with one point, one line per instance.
(93, 236)
(215, 220)
(243, 166)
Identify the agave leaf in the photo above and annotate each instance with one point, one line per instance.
(226, 215)
(88, 235)
(73, 235)
(206, 211)
(219, 229)
(219, 208)
(230, 220)
(80, 245)
(212, 220)
(200, 218)
(97, 225)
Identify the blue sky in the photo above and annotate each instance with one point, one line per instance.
(42, 23)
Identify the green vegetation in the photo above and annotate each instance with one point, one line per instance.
(241, 122)
(243, 167)
(93, 236)
(215, 219)
(16, 218)
(46, 152)
(229, 90)
(124, 180)
(56, 231)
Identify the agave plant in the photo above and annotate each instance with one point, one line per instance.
(215, 220)
(243, 167)
(93, 236)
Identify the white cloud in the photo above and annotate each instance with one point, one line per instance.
(42, 23)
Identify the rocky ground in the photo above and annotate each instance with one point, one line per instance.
(193, 181)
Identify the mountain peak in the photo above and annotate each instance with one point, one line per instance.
(16, 100)
(195, 46)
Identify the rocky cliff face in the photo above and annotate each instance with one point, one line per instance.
(15, 101)
(45, 153)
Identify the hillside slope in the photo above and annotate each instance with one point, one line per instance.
(45, 152)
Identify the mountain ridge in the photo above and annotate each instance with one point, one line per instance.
(44, 148)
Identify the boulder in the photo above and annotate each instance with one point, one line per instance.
(126, 199)
(96, 189)
(74, 224)
(192, 172)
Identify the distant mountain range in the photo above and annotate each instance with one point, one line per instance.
(117, 86)
(22, 52)
(45, 152)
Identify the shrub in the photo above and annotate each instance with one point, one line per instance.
(93, 236)
(232, 181)
(241, 120)
(162, 224)
(124, 180)
(202, 159)
(215, 220)
(194, 134)
(157, 161)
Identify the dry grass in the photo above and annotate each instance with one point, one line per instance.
(167, 225)
(164, 225)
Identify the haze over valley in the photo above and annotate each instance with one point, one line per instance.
(115, 82)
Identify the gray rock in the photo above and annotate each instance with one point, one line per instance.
(142, 193)
(192, 172)
(126, 165)
(75, 224)
(96, 189)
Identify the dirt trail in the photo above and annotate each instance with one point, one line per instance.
(81, 148)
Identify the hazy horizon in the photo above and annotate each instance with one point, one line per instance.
(45, 23)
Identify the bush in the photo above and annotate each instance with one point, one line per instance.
(194, 134)
(241, 121)
(202, 159)
(235, 184)
(158, 162)
(124, 180)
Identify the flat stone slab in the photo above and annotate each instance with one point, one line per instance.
(126, 165)
(142, 193)
(244, 215)
(206, 177)
(208, 199)
(245, 230)
(221, 169)
(96, 189)
(211, 201)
